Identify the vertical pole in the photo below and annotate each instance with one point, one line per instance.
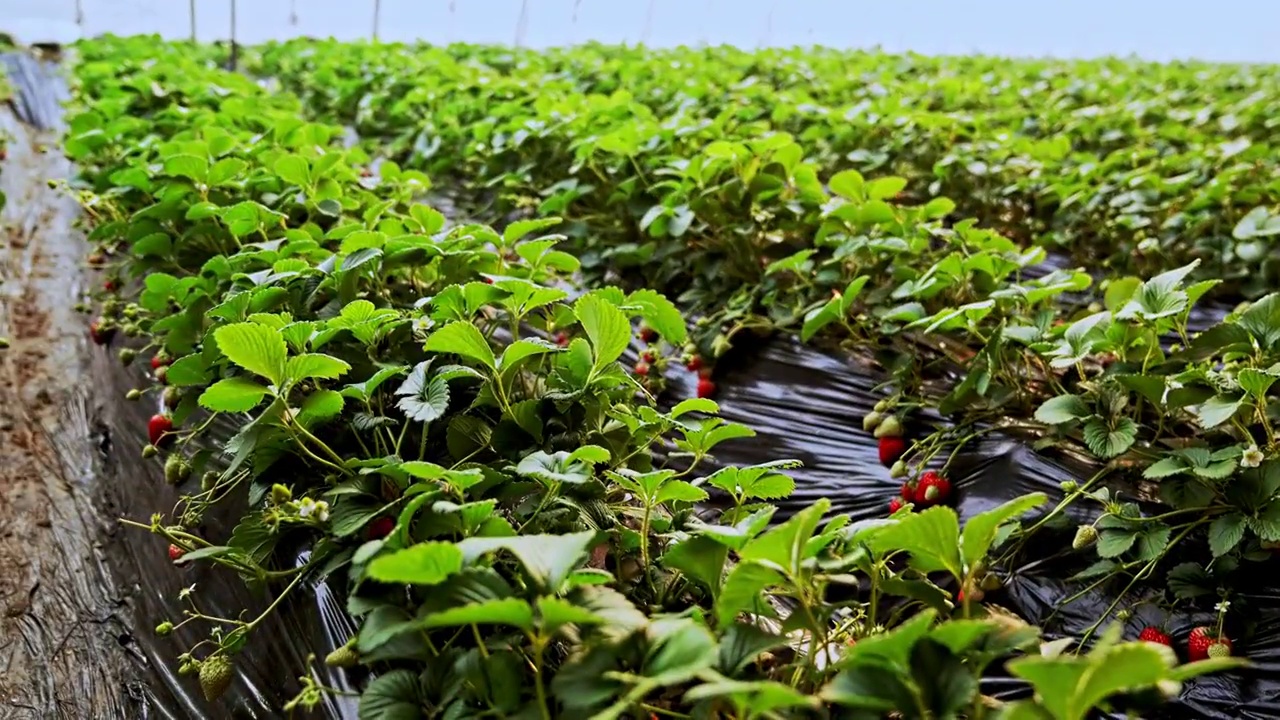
(80, 16)
(522, 22)
(293, 13)
(702, 25)
(191, 5)
(648, 24)
(235, 50)
(377, 7)
(768, 26)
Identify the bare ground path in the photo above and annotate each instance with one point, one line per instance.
(63, 638)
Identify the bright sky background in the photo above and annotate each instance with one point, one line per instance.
(1225, 30)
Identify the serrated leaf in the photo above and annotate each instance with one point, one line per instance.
(1164, 468)
(192, 167)
(701, 558)
(226, 170)
(521, 349)
(394, 695)
(981, 529)
(1189, 580)
(294, 169)
(1107, 442)
(606, 326)
(1061, 409)
(520, 228)
(547, 559)
(315, 365)
(932, 537)
(1114, 543)
(1225, 533)
(235, 394)
(1152, 543)
(1217, 410)
(424, 401)
(463, 339)
(428, 563)
(320, 406)
(660, 314)
(1255, 382)
(254, 347)
(188, 371)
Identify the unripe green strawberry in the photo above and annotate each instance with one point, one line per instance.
(176, 469)
(208, 480)
(1086, 535)
(127, 355)
(133, 394)
(343, 657)
(149, 451)
(882, 405)
(215, 676)
(898, 469)
(889, 427)
(871, 421)
(172, 396)
(165, 628)
(280, 494)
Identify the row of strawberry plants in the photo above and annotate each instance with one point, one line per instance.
(488, 498)
(1195, 419)
(1139, 164)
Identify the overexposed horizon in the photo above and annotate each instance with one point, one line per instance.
(1224, 31)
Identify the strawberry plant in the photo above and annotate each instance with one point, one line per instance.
(518, 526)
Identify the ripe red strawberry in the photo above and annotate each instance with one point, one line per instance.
(1154, 634)
(706, 388)
(895, 505)
(175, 553)
(642, 368)
(109, 285)
(932, 489)
(158, 429)
(562, 339)
(908, 491)
(648, 356)
(891, 448)
(1203, 644)
(489, 280)
(380, 528)
(694, 364)
(159, 360)
(648, 334)
(101, 333)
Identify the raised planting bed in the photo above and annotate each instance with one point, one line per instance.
(353, 398)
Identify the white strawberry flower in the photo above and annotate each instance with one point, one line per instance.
(1252, 457)
(306, 507)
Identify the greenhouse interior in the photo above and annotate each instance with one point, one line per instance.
(718, 359)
